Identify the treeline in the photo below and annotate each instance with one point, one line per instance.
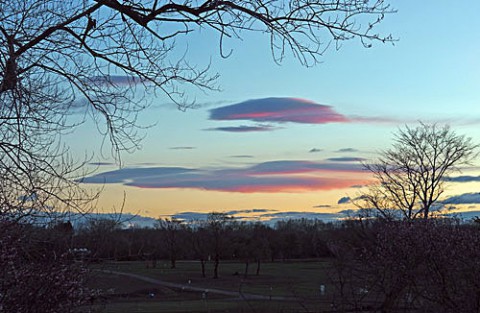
(377, 265)
(219, 237)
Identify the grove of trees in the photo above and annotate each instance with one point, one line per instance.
(377, 265)
(217, 238)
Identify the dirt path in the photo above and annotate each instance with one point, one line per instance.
(240, 295)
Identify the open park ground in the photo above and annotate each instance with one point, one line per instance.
(289, 286)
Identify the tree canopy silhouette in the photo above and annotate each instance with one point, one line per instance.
(411, 174)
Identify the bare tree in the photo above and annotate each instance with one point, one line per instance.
(392, 266)
(198, 238)
(411, 175)
(216, 223)
(33, 278)
(170, 228)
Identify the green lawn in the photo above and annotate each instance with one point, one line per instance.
(300, 279)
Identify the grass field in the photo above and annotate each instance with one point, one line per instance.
(285, 287)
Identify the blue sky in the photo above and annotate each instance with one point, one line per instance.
(431, 74)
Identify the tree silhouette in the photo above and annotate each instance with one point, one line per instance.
(411, 175)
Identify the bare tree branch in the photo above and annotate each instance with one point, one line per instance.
(411, 175)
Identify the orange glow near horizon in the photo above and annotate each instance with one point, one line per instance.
(155, 202)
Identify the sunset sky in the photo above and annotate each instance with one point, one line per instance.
(277, 140)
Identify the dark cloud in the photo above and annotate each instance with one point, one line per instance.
(466, 198)
(346, 150)
(285, 167)
(344, 200)
(115, 80)
(468, 215)
(326, 217)
(358, 186)
(28, 198)
(125, 175)
(274, 176)
(321, 206)
(137, 221)
(199, 216)
(279, 110)
(349, 212)
(244, 184)
(242, 156)
(236, 212)
(201, 105)
(182, 148)
(101, 163)
(314, 150)
(268, 216)
(190, 216)
(346, 159)
(463, 179)
(79, 220)
(243, 129)
(362, 197)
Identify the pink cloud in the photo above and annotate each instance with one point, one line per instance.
(267, 177)
(293, 110)
(301, 185)
(244, 129)
(279, 110)
(301, 167)
(257, 185)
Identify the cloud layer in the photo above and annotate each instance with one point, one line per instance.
(283, 110)
(268, 216)
(466, 198)
(274, 176)
(344, 200)
(346, 159)
(244, 128)
(463, 179)
(182, 148)
(279, 110)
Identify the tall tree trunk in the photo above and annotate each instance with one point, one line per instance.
(245, 275)
(215, 266)
(390, 300)
(202, 263)
(258, 267)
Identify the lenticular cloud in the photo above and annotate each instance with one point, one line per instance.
(266, 177)
(279, 110)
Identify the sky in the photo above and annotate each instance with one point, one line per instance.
(288, 141)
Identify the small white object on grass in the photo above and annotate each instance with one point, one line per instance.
(322, 290)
